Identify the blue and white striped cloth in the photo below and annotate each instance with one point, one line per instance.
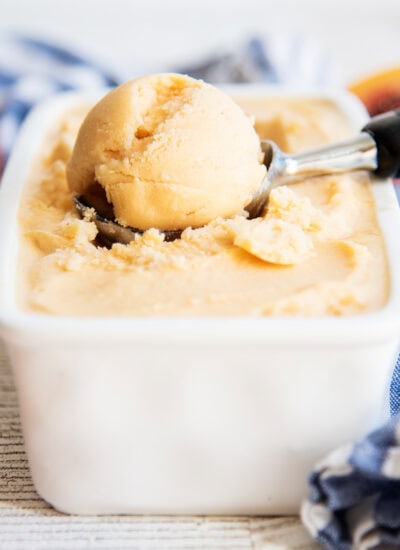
(394, 396)
(31, 71)
(354, 501)
(355, 491)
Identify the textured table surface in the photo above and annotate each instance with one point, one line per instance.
(28, 523)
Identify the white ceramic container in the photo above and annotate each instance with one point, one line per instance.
(189, 416)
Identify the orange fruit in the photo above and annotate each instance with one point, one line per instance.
(379, 92)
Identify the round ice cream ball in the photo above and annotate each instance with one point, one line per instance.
(170, 152)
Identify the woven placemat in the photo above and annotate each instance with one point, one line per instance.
(28, 523)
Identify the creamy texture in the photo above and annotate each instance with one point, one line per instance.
(170, 152)
(316, 251)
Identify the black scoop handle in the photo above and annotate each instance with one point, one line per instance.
(385, 131)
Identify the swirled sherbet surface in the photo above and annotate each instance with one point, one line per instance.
(317, 250)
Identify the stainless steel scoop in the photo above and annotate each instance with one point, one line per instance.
(376, 149)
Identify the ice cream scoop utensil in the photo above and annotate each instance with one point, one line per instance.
(376, 149)
(110, 231)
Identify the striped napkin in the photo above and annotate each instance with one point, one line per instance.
(31, 71)
(354, 500)
(355, 491)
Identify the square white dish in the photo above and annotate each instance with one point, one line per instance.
(189, 416)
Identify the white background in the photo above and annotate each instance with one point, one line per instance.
(138, 36)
